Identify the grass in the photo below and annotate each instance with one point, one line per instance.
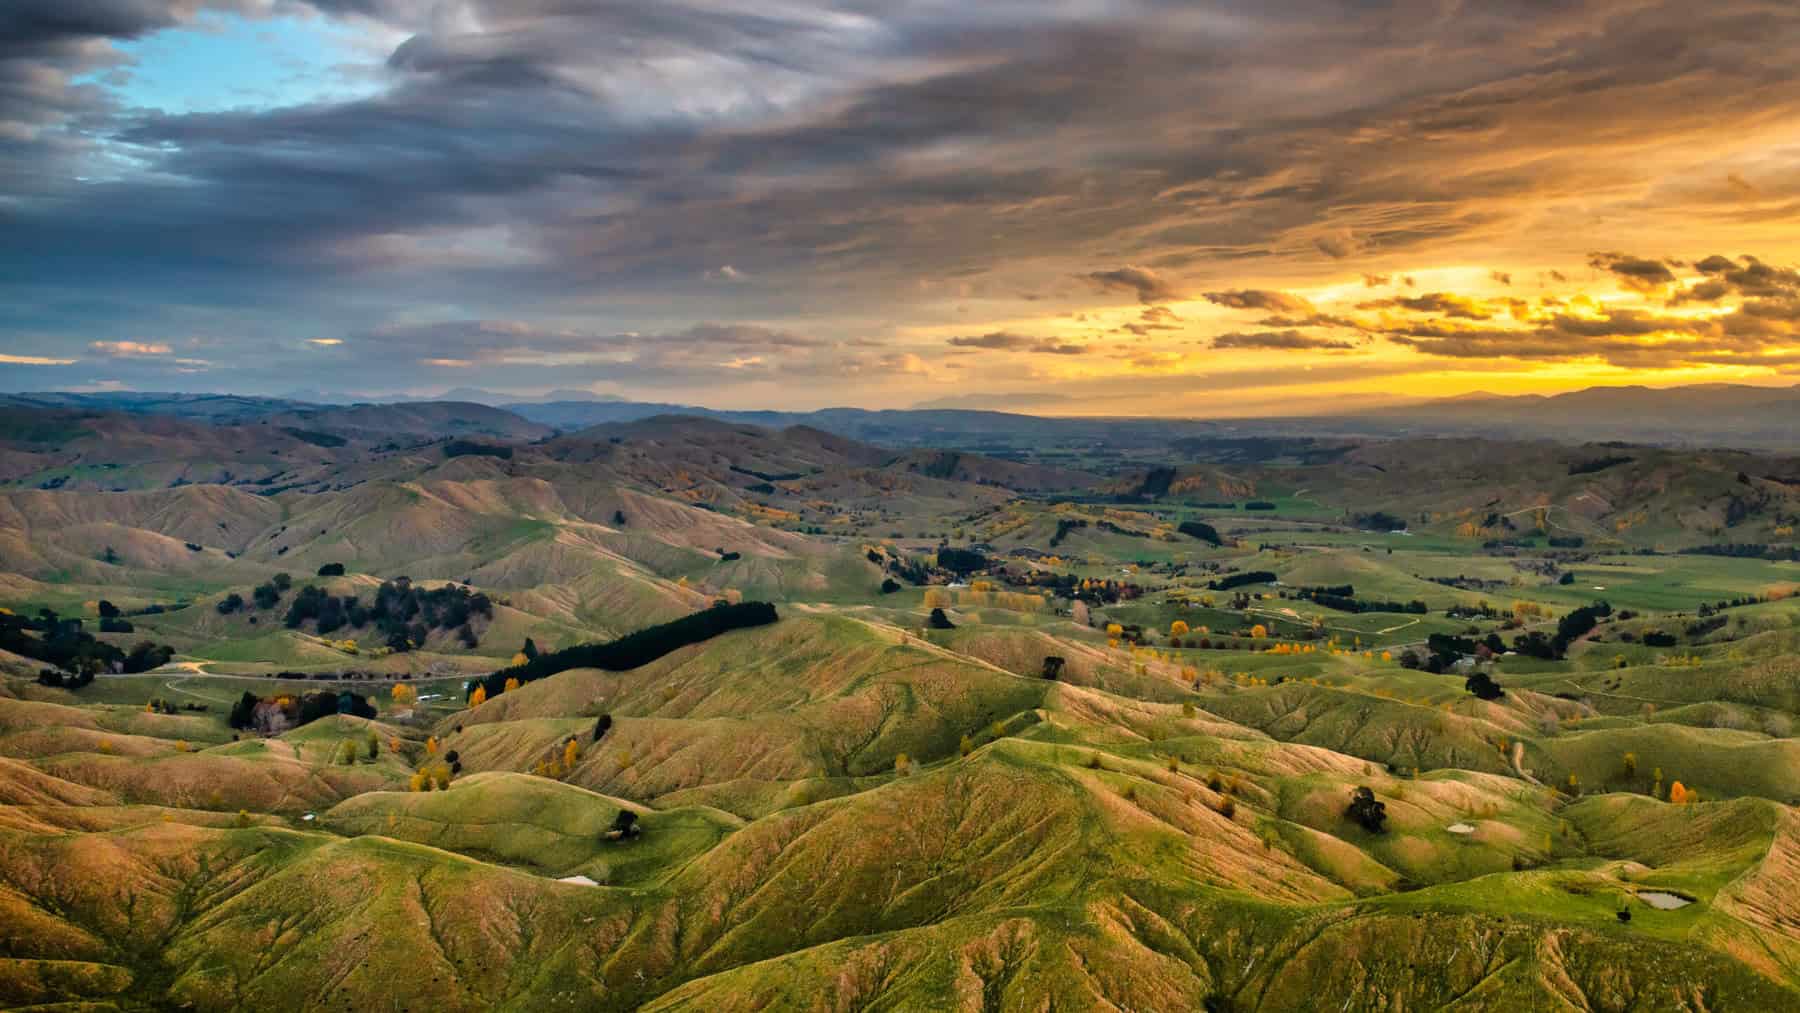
(838, 811)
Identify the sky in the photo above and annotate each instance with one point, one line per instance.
(1054, 206)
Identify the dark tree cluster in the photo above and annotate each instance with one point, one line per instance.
(62, 643)
(403, 613)
(940, 621)
(472, 448)
(302, 709)
(1483, 686)
(1201, 530)
(1570, 628)
(1597, 464)
(1748, 550)
(1367, 810)
(1342, 598)
(1243, 579)
(1378, 521)
(961, 562)
(1063, 585)
(639, 648)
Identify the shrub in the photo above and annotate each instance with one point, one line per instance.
(1367, 810)
(1483, 686)
(1247, 577)
(331, 570)
(940, 621)
(1379, 521)
(1053, 666)
(1197, 529)
(625, 824)
(471, 448)
(961, 561)
(889, 586)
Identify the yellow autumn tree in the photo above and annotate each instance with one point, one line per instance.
(403, 694)
(1178, 629)
(478, 697)
(571, 753)
(1259, 632)
(511, 684)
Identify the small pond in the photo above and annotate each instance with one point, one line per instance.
(1663, 901)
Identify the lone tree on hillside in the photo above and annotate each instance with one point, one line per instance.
(623, 826)
(1367, 810)
(940, 621)
(1483, 685)
(1053, 665)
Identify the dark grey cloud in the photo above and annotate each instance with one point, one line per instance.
(1281, 341)
(1260, 299)
(1009, 342)
(1638, 272)
(1434, 302)
(1146, 284)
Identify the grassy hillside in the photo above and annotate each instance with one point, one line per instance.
(863, 805)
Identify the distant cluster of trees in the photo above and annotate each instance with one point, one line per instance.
(472, 448)
(1342, 597)
(1748, 550)
(1201, 530)
(1243, 579)
(76, 655)
(403, 613)
(961, 562)
(1379, 521)
(264, 596)
(276, 714)
(634, 649)
(1569, 628)
(1597, 464)
(1102, 591)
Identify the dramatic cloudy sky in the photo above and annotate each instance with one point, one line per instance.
(1065, 206)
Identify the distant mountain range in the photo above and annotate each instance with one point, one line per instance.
(1710, 415)
(1734, 415)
